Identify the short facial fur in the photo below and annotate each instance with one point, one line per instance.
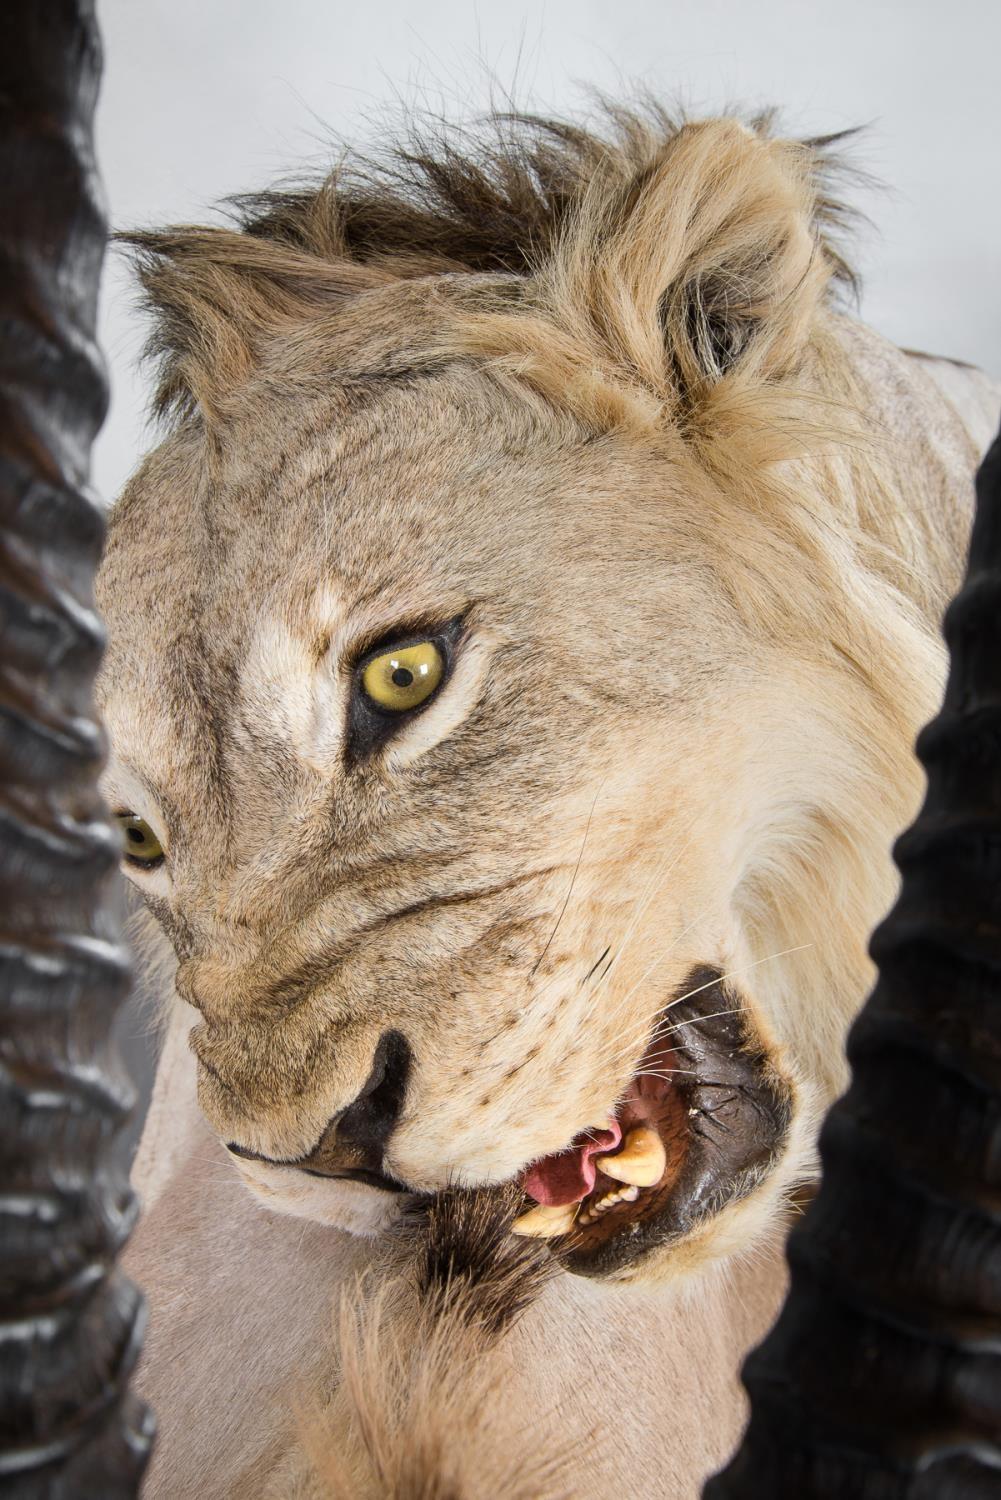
(687, 610)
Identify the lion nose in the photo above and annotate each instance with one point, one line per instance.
(354, 1142)
(356, 1138)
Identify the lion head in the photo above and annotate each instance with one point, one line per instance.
(510, 697)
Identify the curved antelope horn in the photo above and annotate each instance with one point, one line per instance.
(882, 1376)
(69, 1328)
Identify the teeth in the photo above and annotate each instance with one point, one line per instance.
(607, 1201)
(545, 1222)
(640, 1162)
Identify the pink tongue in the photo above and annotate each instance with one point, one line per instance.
(569, 1176)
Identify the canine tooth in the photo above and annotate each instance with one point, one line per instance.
(641, 1161)
(545, 1221)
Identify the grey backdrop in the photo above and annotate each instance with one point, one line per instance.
(203, 98)
(206, 97)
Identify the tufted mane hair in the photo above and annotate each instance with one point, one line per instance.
(543, 203)
(493, 198)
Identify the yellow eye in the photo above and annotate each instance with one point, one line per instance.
(404, 678)
(140, 844)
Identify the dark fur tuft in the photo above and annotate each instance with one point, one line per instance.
(494, 198)
(465, 1257)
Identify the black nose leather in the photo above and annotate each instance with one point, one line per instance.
(354, 1142)
(367, 1124)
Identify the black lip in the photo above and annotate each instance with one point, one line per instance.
(347, 1174)
(360, 1174)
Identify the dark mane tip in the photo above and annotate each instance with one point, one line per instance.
(463, 1256)
(493, 197)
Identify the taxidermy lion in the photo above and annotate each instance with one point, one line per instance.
(517, 643)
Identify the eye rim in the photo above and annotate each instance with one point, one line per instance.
(370, 724)
(122, 816)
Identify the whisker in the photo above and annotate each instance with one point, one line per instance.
(536, 994)
(664, 1072)
(742, 969)
(573, 881)
(658, 958)
(662, 953)
(652, 887)
(595, 966)
(664, 1027)
(696, 1020)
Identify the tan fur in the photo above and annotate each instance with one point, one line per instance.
(700, 526)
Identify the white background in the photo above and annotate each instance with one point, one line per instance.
(203, 98)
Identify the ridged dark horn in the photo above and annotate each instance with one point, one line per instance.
(70, 1328)
(882, 1377)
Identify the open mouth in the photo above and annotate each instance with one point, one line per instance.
(702, 1121)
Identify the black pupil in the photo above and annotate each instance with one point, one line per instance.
(136, 835)
(403, 677)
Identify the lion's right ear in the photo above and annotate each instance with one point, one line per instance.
(217, 296)
(705, 265)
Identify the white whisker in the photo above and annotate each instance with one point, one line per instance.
(666, 1028)
(652, 887)
(732, 973)
(696, 1020)
(573, 881)
(661, 954)
(665, 1072)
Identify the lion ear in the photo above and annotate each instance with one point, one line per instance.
(217, 297)
(706, 264)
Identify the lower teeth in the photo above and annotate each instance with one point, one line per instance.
(607, 1201)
